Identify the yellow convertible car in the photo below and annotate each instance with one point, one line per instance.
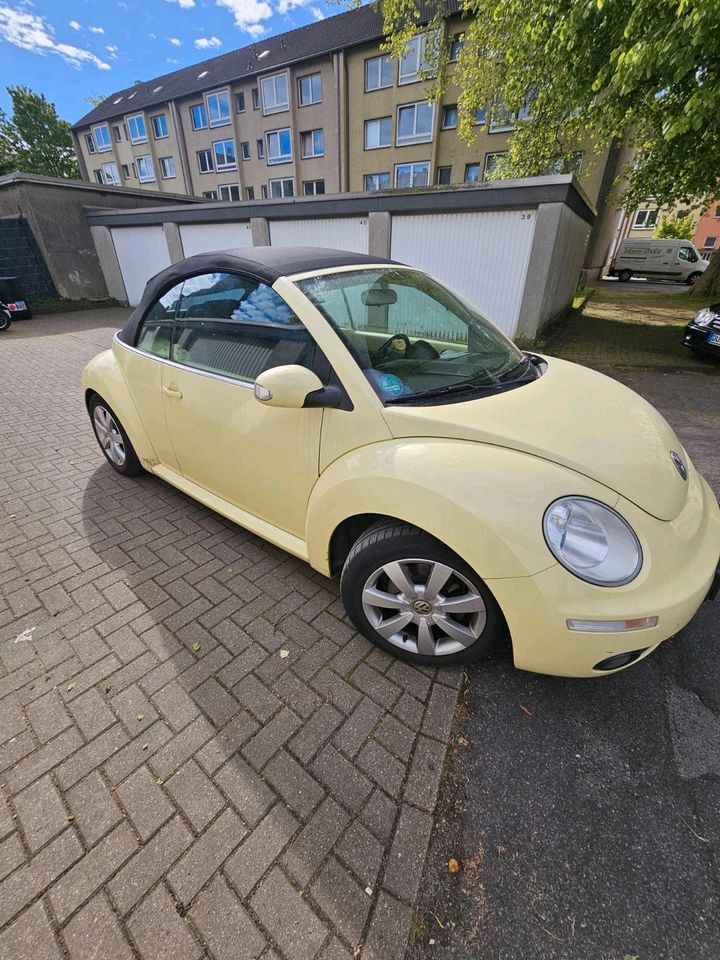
(363, 417)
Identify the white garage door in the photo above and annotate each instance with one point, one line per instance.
(484, 256)
(204, 237)
(343, 233)
(142, 252)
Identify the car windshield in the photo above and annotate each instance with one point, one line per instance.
(414, 339)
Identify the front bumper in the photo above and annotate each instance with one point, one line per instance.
(696, 338)
(679, 572)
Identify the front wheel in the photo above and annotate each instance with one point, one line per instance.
(411, 595)
(114, 442)
(624, 275)
(693, 278)
(5, 320)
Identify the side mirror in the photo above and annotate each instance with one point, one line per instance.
(286, 386)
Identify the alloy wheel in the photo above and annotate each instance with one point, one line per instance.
(109, 436)
(424, 607)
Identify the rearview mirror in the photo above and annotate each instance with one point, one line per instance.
(286, 386)
(378, 297)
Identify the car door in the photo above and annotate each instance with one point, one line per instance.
(228, 328)
(142, 367)
(686, 260)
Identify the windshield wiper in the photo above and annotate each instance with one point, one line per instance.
(464, 387)
(524, 364)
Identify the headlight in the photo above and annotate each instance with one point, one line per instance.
(703, 317)
(592, 541)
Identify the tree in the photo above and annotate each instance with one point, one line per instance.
(675, 228)
(35, 139)
(590, 71)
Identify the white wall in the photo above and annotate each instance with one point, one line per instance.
(484, 256)
(204, 237)
(142, 252)
(341, 233)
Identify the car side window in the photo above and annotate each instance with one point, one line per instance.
(155, 332)
(687, 253)
(236, 326)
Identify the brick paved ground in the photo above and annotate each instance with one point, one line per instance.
(171, 785)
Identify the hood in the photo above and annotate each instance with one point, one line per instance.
(572, 416)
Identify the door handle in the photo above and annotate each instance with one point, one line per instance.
(175, 394)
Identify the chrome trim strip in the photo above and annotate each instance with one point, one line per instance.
(182, 366)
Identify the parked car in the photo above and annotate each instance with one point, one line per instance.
(658, 260)
(702, 334)
(5, 316)
(361, 416)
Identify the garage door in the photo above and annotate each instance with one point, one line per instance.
(142, 252)
(343, 233)
(205, 237)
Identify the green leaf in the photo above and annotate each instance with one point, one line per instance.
(70, 687)
(196, 647)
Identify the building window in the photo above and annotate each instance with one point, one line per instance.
(456, 44)
(646, 219)
(279, 146)
(260, 144)
(504, 120)
(481, 115)
(126, 171)
(710, 242)
(449, 117)
(313, 188)
(282, 188)
(378, 133)
(160, 127)
(136, 126)
(378, 73)
(312, 143)
(263, 191)
(275, 93)
(205, 161)
(310, 89)
(249, 193)
(229, 191)
(717, 213)
(224, 153)
(210, 195)
(376, 181)
(101, 135)
(240, 102)
(472, 172)
(98, 176)
(218, 108)
(110, 173)
(415, 63)
(415, 123)
(145, 169)
(245, 150)
(117, 133)
(198, 114)
(167, 167)
(255, 98)
(412, 174)
(90, 143)
(493, 162)
(442, 176)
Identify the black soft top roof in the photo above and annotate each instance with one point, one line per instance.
(266, 264)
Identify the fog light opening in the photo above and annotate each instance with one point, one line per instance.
(620, 660)
(612, 626)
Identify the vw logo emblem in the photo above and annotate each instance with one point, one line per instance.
(679, 464)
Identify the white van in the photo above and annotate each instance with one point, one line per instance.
(657, 260)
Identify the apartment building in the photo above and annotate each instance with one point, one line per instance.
(316, 110)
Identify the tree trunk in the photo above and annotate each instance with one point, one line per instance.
(709, 283)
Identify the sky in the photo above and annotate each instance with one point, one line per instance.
(69, 49)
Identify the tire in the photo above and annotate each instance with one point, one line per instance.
(114, 442)
(418, 560)
(5, 321)
(693, 278)
(624, 275)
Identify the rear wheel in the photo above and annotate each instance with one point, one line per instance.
(5, 320)
(624, 275)
(114, 442)
(411, 595)
(693, 278)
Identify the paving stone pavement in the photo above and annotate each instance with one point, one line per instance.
(171, 785)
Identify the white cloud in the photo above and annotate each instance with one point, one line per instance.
(286, 5)
(74, 24)
(172, 60)
(317, 13)
(97, 30)
(208, 43)
(112, 50)
(248, 14)
(175, 41)
(256, 30)
(29, 31)
(183, 4)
